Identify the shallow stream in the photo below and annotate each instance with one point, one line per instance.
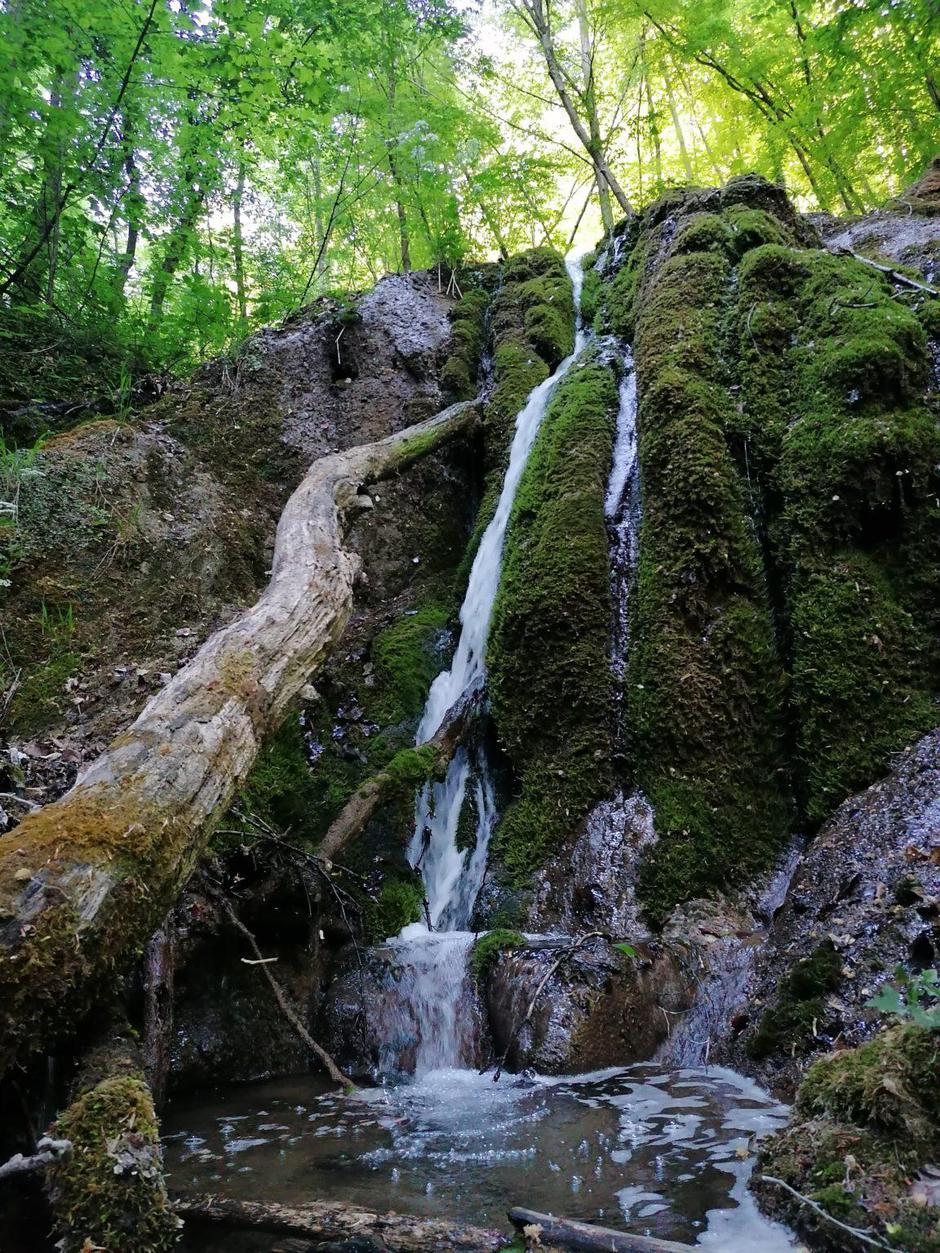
(663, 1153)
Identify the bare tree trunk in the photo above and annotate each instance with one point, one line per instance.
(174, 254)
(535, 15)
(320, 267)
(590, 105)
(677, 125)
(86, 880)
(237, 248)
(134, 208)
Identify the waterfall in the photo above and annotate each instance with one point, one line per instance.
(622, 511)
(432, 960)
(452, 876)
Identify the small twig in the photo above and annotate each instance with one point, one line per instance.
(898, 277)
(566, 954)
(805, 1200)
(49, 1151)
(289, 1013)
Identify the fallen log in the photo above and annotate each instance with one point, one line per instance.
(328, 1221)
(85, 881)
(407, 771)
(47, 1152)
(109, 1191)
(547, 1232)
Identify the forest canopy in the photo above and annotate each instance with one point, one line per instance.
(176, 173)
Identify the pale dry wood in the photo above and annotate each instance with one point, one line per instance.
(84, 881)
(329, 1221)
(548, 1232)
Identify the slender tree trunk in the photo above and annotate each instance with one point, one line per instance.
(590, 104)
(174, 255)
(677, 125)
(654, 131)
(395, 172)
(534, 13)
(237, 248)
(134, 209)
(320, 269)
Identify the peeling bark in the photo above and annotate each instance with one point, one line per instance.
(85, 881)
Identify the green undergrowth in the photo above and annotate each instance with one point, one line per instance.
(549, 670)
(863, 1129)
(399, 901)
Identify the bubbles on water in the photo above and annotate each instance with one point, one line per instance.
(641, 1148)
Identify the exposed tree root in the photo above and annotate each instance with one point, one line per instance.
(85, 881)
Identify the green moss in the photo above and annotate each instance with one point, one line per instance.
(590, 294)
(459, 372)
(705, 684)
(400, 901)
(703, 232)
(890, 1084)
(550, 682)
(406, 660)
(39, 700)
(865, 1124)
(788, 1026)
(109, 1193)
(488, 947)
(752, 228)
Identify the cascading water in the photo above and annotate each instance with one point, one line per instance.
(432, 958)
(658, 1149)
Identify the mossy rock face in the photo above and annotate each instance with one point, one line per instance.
(704, 684)
(785, 617)
(468, 321)
(549, 670)
(792, 1023)
(488, 947)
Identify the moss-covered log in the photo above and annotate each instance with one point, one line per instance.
(84, 881)
(109, 1193)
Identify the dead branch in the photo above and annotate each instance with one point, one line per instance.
(547, 1230)
(895, 275)
(285, 1006)
(85, 881)
(335, 1223)
(47, 1152)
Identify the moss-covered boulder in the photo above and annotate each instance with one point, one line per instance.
(865, 1125)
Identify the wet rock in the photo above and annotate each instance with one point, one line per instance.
(594, 887)
(865, 899)
(599, 1008)
(380, 1020)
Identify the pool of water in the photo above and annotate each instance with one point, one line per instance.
(662, 1153)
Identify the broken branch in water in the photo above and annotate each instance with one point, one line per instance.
(286, 1009)
(564, 1232)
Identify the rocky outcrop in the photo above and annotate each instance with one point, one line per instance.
(864, 900)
